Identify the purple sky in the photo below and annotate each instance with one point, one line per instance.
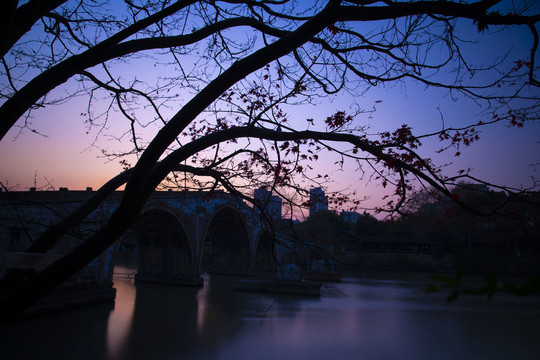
(65, 158)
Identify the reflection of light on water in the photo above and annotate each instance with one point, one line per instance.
(202, 301)
(121, 317)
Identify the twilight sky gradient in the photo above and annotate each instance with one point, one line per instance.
(65, 158)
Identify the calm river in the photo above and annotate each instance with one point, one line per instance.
(384, 318)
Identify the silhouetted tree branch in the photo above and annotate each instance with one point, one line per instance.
(331, 47)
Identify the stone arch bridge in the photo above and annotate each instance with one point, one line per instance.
(178, 235)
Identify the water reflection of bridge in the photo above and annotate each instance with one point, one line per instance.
(177, 236)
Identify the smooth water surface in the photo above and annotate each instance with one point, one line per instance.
(355, 319)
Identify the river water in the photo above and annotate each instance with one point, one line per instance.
(383, 317)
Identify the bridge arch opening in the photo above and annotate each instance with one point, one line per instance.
(164, 253)
(226, 247)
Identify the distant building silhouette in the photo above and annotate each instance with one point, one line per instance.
(318, 200)
(350, 216)
(270, 202)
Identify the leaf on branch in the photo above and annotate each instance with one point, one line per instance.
(491, 281)
(446, 280)
(481, 25)
(333, 29)
(515, 122)
(453, 296)
(520, 64)
(430, 288)
(338, 119)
